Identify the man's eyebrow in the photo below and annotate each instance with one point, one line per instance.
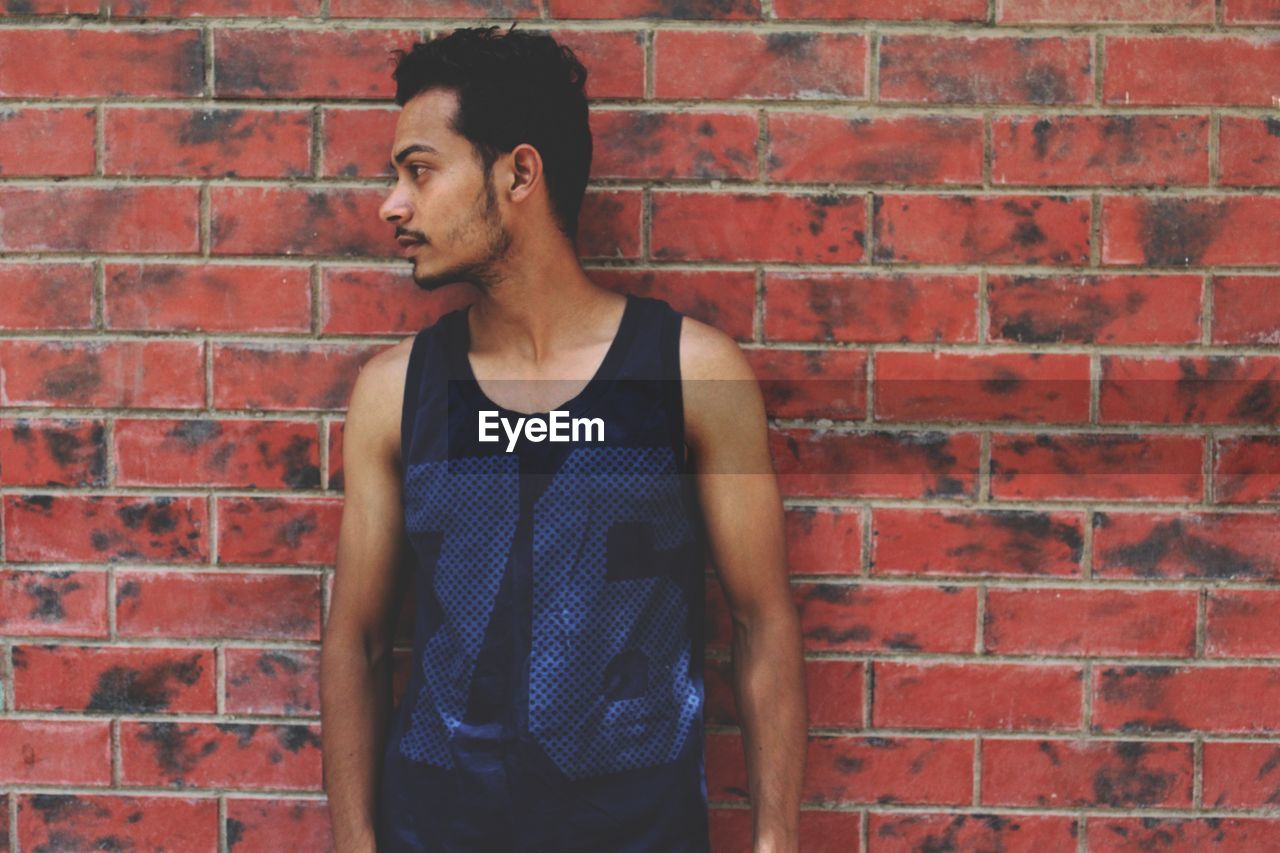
(417, 147)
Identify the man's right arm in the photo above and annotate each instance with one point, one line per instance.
(355, 657)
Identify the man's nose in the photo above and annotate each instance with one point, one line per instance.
(394, 207)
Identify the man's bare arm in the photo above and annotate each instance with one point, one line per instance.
(355, 659)
(726, 431)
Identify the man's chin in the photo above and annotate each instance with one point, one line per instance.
(437, 281)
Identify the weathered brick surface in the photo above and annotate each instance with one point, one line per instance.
(1008, 272)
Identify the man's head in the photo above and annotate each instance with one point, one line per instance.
(492, 146)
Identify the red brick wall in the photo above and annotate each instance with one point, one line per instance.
(1010, 270)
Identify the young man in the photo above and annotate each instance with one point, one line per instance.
(556, 697)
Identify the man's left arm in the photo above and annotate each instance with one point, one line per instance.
(726, 431)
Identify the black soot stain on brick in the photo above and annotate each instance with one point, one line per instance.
(121, 688)
(1178, 231)
(1130, 783)
(1169, 540)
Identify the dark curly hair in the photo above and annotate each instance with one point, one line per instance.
(512, 87)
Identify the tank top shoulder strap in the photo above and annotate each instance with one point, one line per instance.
(655, 357)
(426, 368)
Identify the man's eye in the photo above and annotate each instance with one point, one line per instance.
(416, 166)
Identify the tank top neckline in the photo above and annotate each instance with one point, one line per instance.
(460, 346)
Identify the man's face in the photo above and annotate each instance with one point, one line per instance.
(443, 199)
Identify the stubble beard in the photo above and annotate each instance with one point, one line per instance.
(487, 272)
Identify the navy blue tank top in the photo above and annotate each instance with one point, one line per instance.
(556, 697)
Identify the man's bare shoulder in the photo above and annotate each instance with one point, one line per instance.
(378, 395)
(707, 353)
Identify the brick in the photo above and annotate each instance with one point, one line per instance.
(222, 605)
(262, 376)
(1250, 11)
(52, 452)
(794, 65)
(1246, 469)
(283, 531)
(870, 308)
(55, 752)
(840, 463)
(883, 10)
(1249, 151)
(1246, 309)
(609, 224)
(273, 681)
(299, 221)
(1075, 773)
(49, 821)
(118, 679)
(83, 63)
(844, 617)
(947, 69)
(1185, 698)
(439, 8)
(239, 755)
(888, 769)
(720, 704)
(207, 142)
(1000, 696)
(374, 302)
(211, 298)
(1114, 835)
(1199, 231)
(1070, 621)
(999, 542)
(1100, 150)
(279, 62)
(1189, 389)
(110, 528)
(66, 135)
(1046, 387)
(981, 229)
(1021, 832)
(1240, 775)
(1094, 309)
(809, 228)
(1096, 466)
(850, 769)
(720, 10)
(823, 540)
(1171, 70)
(336, 478)
(133, 219)
(258, 825)
(52, 7)
(357, 141)
(46, 297)
(900, 149)
(614, 60)
(811, 383)
(1242, 623)
(103, 374)
(211, 8)
(1182, 546)
(659, 144)
(721, 298)
(835, 692)
(1105, 12)
(65, 602)
(242, 454)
